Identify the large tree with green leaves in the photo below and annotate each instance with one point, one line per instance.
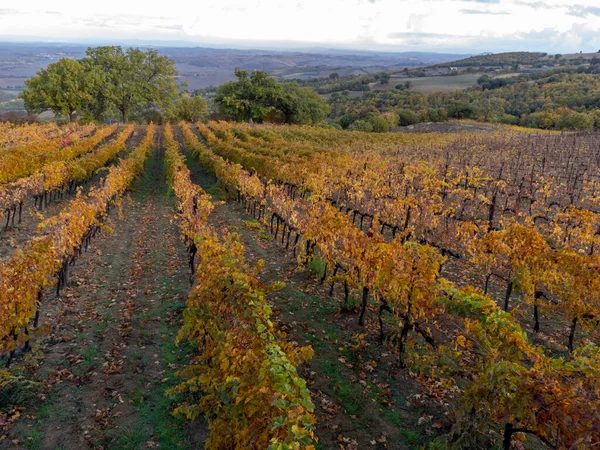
(301, 105)
(63, 87)
(258, 96)
(130, 80)
(108, 80)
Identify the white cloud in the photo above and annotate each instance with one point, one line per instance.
(466, 25)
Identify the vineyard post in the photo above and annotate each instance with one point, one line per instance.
(507, 436)
(509, 289)
(346, 291)
(486, 284)
(277, 227)
(572, 335)
(324, 277)
(335, 269)
(536, 315)
(383, 307)
(365, 299)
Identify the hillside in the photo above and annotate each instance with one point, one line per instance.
(496, 60)
(201, 67)
(332, 288)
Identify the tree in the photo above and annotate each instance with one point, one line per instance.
(247, 99)
(191, 109)
(259, 96)
(575, 121)
(379, 123)
(301, 105)
(407, 117)
(335, 75)
(108, 79)
(461, 110)
(129, 80)
(63, 88)
(491, 109)
(361, 125)
(100, 63)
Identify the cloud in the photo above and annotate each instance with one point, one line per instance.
(534, 5)
(468, 26)
(479, 11)
(583, 11)
(99, 23)
(171, 27)
(417, 35)
(8, 12)
(578, 37)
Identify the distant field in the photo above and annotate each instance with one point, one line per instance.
(432, 84)
(508, 75)
(12, 84)
(351, 94)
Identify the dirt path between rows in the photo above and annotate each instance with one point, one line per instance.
(111, 353)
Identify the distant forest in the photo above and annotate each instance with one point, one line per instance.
(558, 98)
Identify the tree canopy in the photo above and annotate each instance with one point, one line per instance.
(190, 109)
(258, 97)
(63, 87)
(562, 99)
(109, 80)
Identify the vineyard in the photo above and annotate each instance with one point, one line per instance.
(230, 285)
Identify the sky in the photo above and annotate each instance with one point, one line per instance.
(447, 26)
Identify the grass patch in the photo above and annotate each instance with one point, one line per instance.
(351, 396)
(32, 439)
(101, 326)
(394, 417)
(349, 305)
(411, 437)
(127, 439)
(90, 353)
(217, 191)
(317, 266)
(251, 224)
(16, 389)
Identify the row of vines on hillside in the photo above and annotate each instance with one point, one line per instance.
(57, 177)
(13, 136)
(23, 161)
(551, 263)
(45, 258)
(462, 343)
(249, 388)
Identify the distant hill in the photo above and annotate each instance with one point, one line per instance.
(497, 59)
(201, 67)
(5, 96)
(535, 59)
